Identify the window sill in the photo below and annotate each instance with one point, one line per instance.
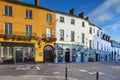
(7, 15)
(29, 18)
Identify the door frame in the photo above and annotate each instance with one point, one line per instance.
(51, 53)
(14, 54)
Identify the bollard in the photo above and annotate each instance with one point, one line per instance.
(97, 75)
(65, 73)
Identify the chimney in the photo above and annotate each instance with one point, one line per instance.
(87, 18)
(109, 38)
(81, 15)
(37, 2)
(72, 11)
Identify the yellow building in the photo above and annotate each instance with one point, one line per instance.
(27, 32)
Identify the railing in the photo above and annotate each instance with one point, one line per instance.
(48, 37)
(17, 35)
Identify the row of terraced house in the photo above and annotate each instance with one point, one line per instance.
(31, 33)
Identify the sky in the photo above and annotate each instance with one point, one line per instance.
(103, 13)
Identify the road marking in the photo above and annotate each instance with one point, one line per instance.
(100, 73)
(24, 77)
(37, 67)
(56, 72)
(82, 70)
(91, 72)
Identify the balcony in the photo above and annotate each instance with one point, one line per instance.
(17, 35)
(48, 38)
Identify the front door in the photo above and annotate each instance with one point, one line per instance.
(67, 55)
(82, 57)
(18, 55)
(48, 54)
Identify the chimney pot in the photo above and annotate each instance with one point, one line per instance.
(37, 2)
(87, 18)
(81, 15)
(72, 11)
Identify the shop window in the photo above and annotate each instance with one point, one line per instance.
(7, 53)
(60, 55)
(29, 53)
(74, 55)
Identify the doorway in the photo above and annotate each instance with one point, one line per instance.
(97, 57)
(67, 55)
(48, 54)
(18, 55)
(82, 57)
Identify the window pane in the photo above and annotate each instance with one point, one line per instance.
(4, 51)
(90, 43)
(72, 21)
(49, 17)
(90, 31)
(83, 24)
(30, 13)
(6, 28)
(28, 30)
(26, 13)
(61, 19)
(10, 28)
(61, 34)
(72, 35)
(48, 32)
(6, 10)
(10, 11)
(83, 38)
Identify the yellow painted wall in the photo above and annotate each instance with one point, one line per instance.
(18, 20)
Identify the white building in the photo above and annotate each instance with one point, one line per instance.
(78, 40)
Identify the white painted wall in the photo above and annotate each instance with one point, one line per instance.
(68, 27)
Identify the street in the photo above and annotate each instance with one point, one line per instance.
(49, 71)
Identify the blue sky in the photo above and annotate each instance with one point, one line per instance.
(103, 13)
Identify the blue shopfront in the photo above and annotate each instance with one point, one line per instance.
(68, 53)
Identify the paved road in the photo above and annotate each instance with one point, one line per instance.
(76, 71)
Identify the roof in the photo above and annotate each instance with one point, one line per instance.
(95, 25)
(78, 17)
(115, 44)
(71, 15)
(27, 4)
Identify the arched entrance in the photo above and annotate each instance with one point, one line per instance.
(67, 55)
(48, 54)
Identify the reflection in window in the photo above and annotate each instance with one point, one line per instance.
(73, 55)
(4, 51)
(60, 54)
(29, 53)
